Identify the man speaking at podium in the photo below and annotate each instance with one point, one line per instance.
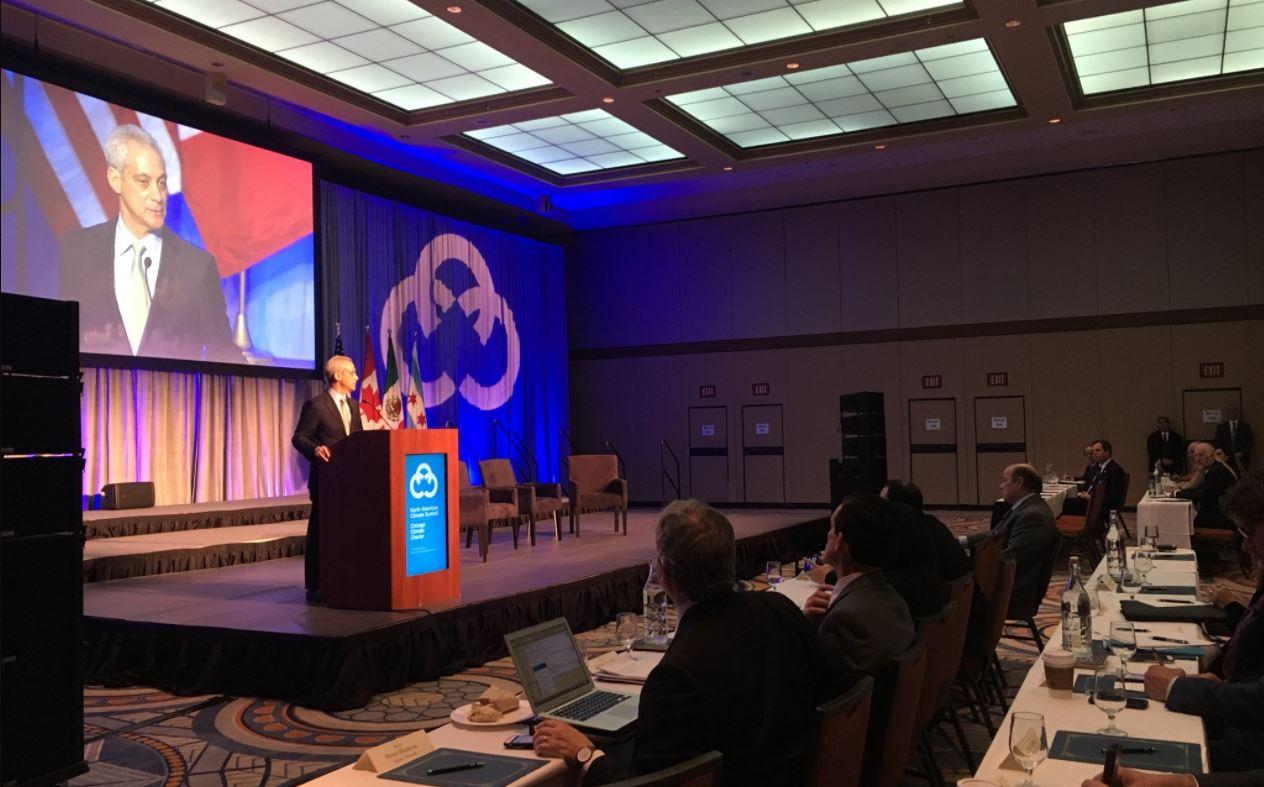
(325, 419)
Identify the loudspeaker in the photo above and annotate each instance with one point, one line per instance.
(864, 423)
(41, 495)
(41, 337)
(861, 402)
(41, 414)
(867, 447)
(856, 475)
(216, 88)
(131, 494)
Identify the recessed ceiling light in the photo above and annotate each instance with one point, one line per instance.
(792, 66)
(728, 167)
(454, 9)
(1054, 121)
(607, 99)
(1012, 23)
(879, 146)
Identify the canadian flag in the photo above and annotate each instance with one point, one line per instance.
(370, 399)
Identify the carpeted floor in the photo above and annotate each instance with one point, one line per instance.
(142, 736)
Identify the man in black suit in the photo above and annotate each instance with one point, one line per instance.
(950, 559)
(325, 419)
(1105, 471)
(1165, 447)
(1027, 535)
(742, 674)
(1207, 493)
(1235, 438)
(141, 288)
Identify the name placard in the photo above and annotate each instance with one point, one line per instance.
(393, 754)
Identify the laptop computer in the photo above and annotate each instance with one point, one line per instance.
(555, 679)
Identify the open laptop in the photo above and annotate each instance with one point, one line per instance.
(555, 679)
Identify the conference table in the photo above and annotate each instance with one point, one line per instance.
(1173, 516)
(1055, 494)
(1072, 712)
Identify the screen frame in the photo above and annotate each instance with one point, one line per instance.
(183, 110)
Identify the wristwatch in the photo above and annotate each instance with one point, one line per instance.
(584, 755)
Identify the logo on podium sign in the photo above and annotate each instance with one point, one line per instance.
(425, 513)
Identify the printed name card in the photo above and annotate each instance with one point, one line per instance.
(708, 430)
(393, 754)
(933, 425)
(1000, 422)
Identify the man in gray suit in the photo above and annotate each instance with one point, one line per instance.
(1027, 534)
(862, 621)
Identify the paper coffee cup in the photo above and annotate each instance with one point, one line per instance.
(1059, 670)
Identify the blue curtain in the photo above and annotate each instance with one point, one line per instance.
(483, 310)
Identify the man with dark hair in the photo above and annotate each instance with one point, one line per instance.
(1027, 533)
(1104, 471)
(742, 675)
(1206, 494)
(950, 559)
(1235, 438)
(1166, 447)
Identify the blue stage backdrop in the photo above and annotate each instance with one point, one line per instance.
(483, 310)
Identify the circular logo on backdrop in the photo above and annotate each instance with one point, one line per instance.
(424, 483)
(433, 300)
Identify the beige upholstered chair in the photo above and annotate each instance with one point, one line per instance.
(535, 501)
(596, 486)
(500, 505)
(473, 514)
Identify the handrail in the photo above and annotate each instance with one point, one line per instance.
(516, 442)
(664, 475)
(569, 441)
(623, 466)
(565, 461)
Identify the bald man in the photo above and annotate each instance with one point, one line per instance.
(1206, 493)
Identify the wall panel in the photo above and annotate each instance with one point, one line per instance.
(758, 275)
(1061, 257)
(1135, 384)
(929, 257)
(867, 253)
(1206, 232)
(701, 249)
(1066, 400)
(982, 356)
(1253, 201)
(994, 252)
(812, 272)
(1130, 237)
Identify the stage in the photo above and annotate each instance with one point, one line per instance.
(246, 630)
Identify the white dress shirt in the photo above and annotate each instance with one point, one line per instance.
(135, 313)
(344, 410)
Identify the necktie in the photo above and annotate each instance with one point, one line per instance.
(345, 412)
(139, 280)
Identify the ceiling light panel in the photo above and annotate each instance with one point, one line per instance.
(942, 81)
(1193, 39)
(390, 49)
(580, 142)
(632, 33)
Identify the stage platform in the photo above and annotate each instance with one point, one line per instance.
(190, 550)
(246, 630)
(194, 516)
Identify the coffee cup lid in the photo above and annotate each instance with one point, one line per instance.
(1056, 657)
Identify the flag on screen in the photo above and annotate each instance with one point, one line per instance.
(338, 339)
(416, 408)
(392, 401)
(370, 402)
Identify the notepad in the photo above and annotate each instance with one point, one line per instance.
(496, 771)
(1170, 756)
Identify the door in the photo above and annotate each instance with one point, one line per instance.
(1000, 440)
(763, 454)
(933, 449)
(709, 454)
(1204, 410)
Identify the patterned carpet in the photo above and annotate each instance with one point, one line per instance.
(141, 736)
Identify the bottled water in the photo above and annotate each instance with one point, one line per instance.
(1114, 556)
(655, 601)
(1077, 614)
(1156, 481)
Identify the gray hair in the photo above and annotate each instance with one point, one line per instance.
(696, 549)
(334, 363)
(122, 136)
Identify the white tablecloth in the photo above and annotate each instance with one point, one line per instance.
(1055, 494)
(1174, 517)
(1073, 712)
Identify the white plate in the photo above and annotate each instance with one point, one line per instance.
(461, 716)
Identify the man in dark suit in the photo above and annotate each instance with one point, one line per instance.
(1206, 494)
(141, 288)
(756, 709)
(324, 420)
(950, 559)
(1106, 471)
(1235, 438)
(1027, 535)
(1165, 447)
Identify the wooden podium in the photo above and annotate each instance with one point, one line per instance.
(389, 520)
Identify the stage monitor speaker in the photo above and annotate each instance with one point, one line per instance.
(856, 475)
(41, 336)
(131, 494)
(40, 414)
(861, 402)
(42, 494)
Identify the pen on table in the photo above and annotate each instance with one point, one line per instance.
(1157, 638)
(1134, 750)
(467, 766)
(1175, 601)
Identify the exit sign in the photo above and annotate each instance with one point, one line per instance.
(1212, 369)
(932, 381)
(997, 379)
(706, 391)
(760, 389)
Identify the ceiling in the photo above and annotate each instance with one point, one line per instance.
(595, 113)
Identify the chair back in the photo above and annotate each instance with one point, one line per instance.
(893, 729)
(1094, 513)
(842, 724)
(1127, 482)
(998, 607)
(497, 473)
(463, 474)
(700, 771)
(945, 636)
(592, 472)
(986, 565)
(1044, 574)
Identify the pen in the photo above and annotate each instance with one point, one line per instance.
(1157, 638)
(466, 766)
(1175, 601)
(1135, 750)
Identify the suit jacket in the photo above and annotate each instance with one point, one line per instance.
(1089, 477)
(741, 676)
(187, 316)
(1206, 496)
(319, 424)
(1240, 779)
(1242, 445)
(950, 559)
(1233, 714)
(866, 626)
(1173, 451)
(1028, 535)
(1247, 642)
(1114, 477)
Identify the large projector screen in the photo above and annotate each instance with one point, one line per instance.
(178, 244)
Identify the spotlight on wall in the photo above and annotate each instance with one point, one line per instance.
(1054, 121)
(1013, 23)
(792, 66)
(454, 9)
(607, 99)
(216, 91)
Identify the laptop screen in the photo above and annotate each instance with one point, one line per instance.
(548, 663)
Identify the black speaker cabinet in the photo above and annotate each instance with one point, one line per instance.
(41, 336)
(856, 475)
(861, 402)
(867, 447)
(41, 494)
(40, 414)
(133, 494)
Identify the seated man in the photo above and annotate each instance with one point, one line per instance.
(1206, 495)
(950, 559)
(1027, 535)
(1105, 471)
(1128, 777)
(742, 674)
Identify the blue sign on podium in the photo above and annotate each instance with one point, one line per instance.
(425, 513)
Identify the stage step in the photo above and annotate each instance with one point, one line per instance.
(190, 550)
(194, 516)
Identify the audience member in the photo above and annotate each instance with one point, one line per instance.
(1027, 534)
(1127, 777)
(910, 567)
(950, 559)
(1105, 470)
(1235, 438)
(742, 675)
(1194, 476)
(1228, 463)
(1165, 447)
(1206, 495)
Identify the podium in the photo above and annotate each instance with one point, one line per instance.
(389, 520)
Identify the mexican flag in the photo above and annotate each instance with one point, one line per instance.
(370, 401)
(416, 407)
(392, 399)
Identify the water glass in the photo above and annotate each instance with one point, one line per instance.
(1151, 536)
(625, 628)
(773, 571)
(1109, 697)
(1028, 742)
(1143, 561)
(1123, 642)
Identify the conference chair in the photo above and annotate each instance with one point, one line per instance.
(945, 636)
(1124, 522)
(841, 726)
(1221, 540)
(894, 715)
(978, 674)
(700, 771)
(596, 486)
(502, 506)
(1088, 529)
(473, 516)
(535, 500)
(1027, 615)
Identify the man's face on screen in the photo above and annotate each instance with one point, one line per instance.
(142, 189)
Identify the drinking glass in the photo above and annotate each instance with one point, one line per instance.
(625, 628)
(1143, 561)
(773, 571)
(1109, 697)
(1123, 642)
(1151, 536)
(1028, 742)
(1115, 569)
